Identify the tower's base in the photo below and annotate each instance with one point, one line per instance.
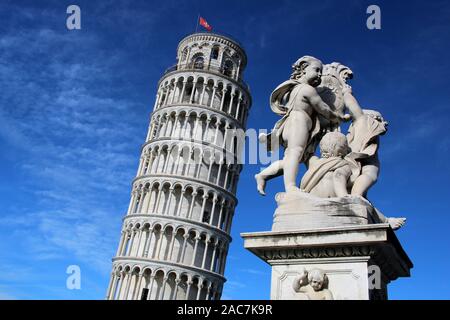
(359, 261)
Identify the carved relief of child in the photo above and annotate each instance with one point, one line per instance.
(313, 284)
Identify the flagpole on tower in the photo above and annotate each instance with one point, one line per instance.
(196, 24)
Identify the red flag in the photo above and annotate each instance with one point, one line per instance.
(205, 24)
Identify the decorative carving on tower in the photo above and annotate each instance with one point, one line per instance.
(176, 233)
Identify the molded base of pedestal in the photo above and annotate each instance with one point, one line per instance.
(359, 261)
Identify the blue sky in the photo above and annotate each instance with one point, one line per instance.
(74, 108)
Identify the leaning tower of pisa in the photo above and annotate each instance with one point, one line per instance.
(176, 233)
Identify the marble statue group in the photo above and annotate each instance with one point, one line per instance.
(328, 240)
(312, 105)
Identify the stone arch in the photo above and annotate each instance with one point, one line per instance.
(214, 55)
(155, 290)
(163, 196)
(194, 288)
(234, 106)
(215, 263)
(170, 285)
(120, 283)
(146, 225)
(203, 287)
(179, 123)
(167, 124)
(177, 201)
(168, 233)
(197, 154)
(182, 287)
(153, 196)
(164, 157)
(189, 86)
(173, 158)
(189, 247)
(228, 97)
(184, 54)
(136, 268)
(228, 67)
(198, 131)
(147, 270)
(184, 156)
(210, 92)
(197, 204)
(201, 247)
(156, 240)
(127, 267)
(130, 225)
(198, 60)
(177, 250)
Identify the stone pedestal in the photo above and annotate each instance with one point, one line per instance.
(359, 260)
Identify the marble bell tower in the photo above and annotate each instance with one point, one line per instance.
(176, 233)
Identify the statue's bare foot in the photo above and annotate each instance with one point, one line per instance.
(292, 189)
(260, 184)
(396, 223)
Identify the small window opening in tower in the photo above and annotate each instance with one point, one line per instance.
(198, 62)
(228, 68)
(215, 53)
(206, 217)
(144, 294)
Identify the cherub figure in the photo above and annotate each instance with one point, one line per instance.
(313, 284)
(299, 128)
(363, 138)
(331, 174)
(336, 172)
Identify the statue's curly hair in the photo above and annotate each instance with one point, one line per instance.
(298, 68)
(317, 273)
(334, 144)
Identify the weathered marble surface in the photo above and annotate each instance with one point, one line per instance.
(299, 210)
